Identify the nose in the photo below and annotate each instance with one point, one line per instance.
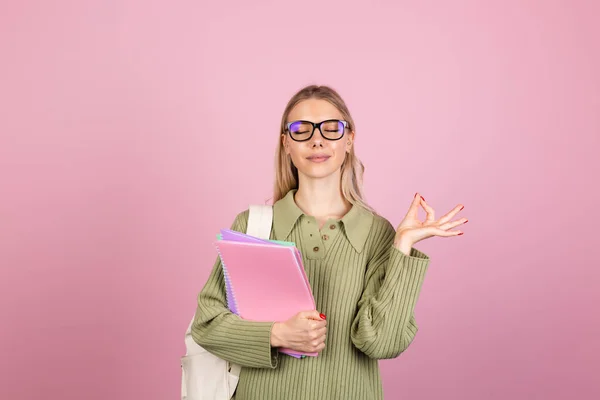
(317, 138)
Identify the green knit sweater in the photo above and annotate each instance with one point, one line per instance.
(364, 285)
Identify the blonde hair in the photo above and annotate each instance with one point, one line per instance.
(286, 174)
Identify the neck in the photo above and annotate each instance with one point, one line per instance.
(322, 198)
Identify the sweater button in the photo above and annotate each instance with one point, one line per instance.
(331, 226)
(315, 249)
(325, 237)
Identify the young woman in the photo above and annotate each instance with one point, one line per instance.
(365, 275)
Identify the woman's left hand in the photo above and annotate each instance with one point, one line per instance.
(411, 230)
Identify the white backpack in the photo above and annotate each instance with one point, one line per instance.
(205, 376)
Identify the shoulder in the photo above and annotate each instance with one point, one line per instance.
(368, 220)
(381, 225)
(240, 223)
(381, 235)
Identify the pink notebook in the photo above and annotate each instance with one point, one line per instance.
(267, 282)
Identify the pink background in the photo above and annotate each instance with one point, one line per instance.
(132, 131)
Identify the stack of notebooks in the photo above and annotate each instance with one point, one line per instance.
(264, 279)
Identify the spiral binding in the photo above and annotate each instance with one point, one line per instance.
(229, 293)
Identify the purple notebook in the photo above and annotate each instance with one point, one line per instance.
(228, 234)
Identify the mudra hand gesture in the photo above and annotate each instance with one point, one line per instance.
(411, 230)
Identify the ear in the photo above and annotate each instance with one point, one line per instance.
(349, 141)
(284, 143)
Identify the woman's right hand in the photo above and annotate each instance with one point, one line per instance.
(304, 332)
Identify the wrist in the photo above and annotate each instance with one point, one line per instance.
(403, 244)
(276, 335)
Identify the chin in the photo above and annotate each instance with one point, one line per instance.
(318, 172)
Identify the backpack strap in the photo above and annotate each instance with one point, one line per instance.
(260, 221)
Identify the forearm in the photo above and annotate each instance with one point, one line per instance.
(246, 343)
(384, 325)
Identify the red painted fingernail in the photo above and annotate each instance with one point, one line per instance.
(322, 316)
(460, 233)
(461, 208)
(466, 221)
(423, 198)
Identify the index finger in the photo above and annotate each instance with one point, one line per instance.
(310, 314)
(314, 324)
(413, 210)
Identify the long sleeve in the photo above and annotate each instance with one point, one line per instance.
(226, 335)
(384, 325)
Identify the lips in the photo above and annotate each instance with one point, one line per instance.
(318, 158)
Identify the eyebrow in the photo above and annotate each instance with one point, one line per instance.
(312, 120)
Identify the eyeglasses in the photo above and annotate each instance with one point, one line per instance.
(331, 129)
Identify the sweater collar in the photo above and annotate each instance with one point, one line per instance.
(357, 222)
